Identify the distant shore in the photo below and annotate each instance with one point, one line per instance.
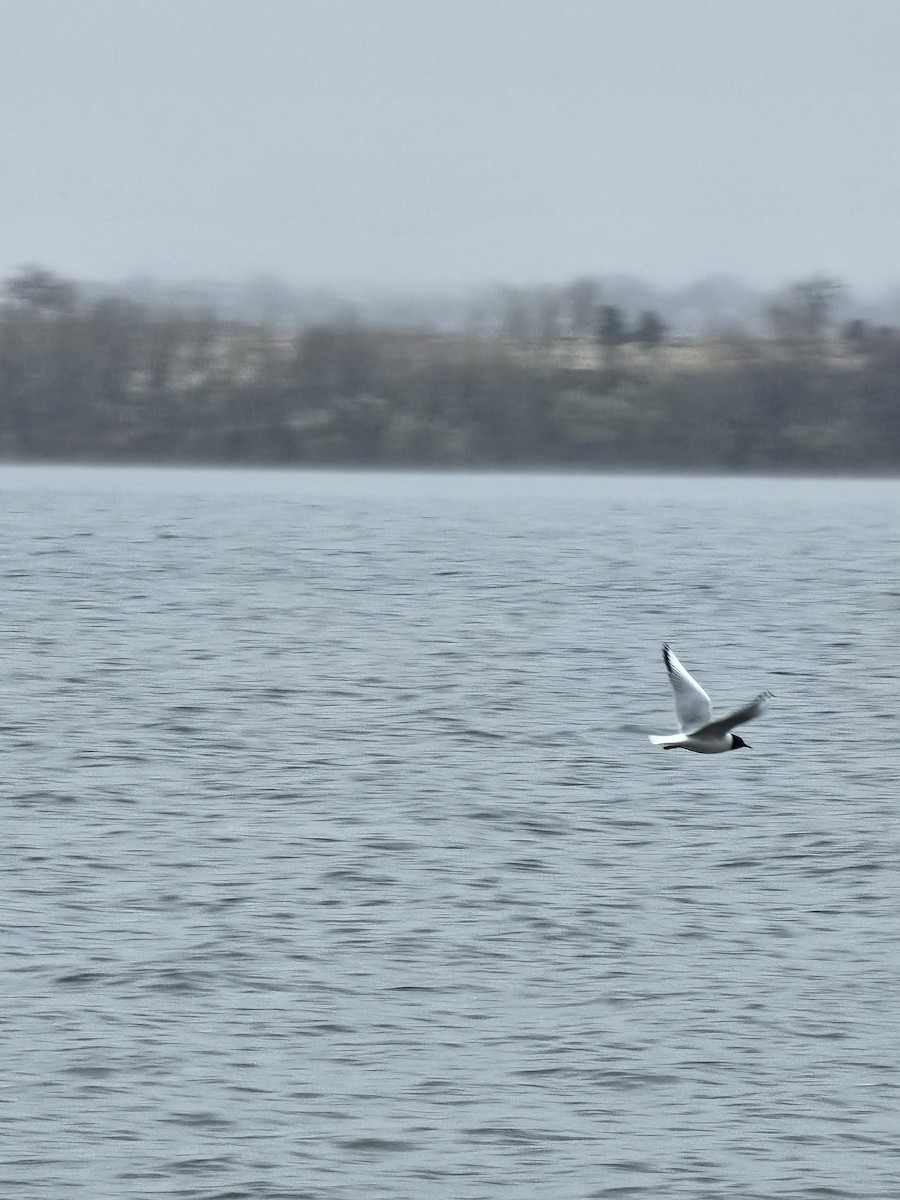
(112, 381)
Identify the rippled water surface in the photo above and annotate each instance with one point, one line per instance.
(336, 863)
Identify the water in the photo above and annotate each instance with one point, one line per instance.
(336, 863)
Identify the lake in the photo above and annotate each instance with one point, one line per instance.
(337, 864)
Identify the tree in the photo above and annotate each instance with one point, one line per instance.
(611, 325)
(803, 315)
(547, 314)
(516, 320)
(650, 330)
(611, 334)
(38, 288)
(856, 333)
(581, 299)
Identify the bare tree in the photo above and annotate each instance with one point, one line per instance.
(37, 288)
(803, 315)
(582, 299)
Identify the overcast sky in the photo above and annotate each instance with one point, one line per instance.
(413, 142)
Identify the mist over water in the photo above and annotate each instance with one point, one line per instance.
(336, 862)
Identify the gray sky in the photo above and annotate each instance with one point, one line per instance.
(412, 142)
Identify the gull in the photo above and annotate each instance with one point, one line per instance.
(699, 732)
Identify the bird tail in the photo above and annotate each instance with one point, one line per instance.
(674, 739)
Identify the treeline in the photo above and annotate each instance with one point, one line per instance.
(106, 378)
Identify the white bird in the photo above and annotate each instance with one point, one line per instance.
(699, 732)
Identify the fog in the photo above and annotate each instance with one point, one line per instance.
(408, 145)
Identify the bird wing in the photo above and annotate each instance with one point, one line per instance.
(738, 717)
(692, 705)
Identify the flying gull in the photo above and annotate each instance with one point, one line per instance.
(699, 732)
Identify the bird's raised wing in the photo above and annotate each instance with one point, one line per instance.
(692, 705)
(739, 717)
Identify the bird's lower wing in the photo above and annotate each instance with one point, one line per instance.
(739, 717)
